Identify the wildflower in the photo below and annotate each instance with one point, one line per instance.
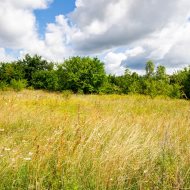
(7, 149)
(30, 153)
(145, 171)
(27, 159)
(13, 159)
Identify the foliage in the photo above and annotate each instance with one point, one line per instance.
(18, 85)
(85, 75)
(45, 79)
(150, 88)
(109, 88)
(9, 71)
(150, 68)
(3, 86)
(32, 64)
(182, 78)
(161, 73)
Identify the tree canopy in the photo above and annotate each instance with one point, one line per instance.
(87, 75)
(81, 74)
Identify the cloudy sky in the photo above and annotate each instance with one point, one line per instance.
(122, 33)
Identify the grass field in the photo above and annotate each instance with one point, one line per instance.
(54, 141)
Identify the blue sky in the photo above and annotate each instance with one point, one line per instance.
(122, 33)
(57, 7)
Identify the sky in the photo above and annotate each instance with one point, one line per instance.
(122, 33)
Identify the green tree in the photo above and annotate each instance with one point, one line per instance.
(187, 86)
(45, 80)
(112, 85)
(182, 79)
(161, 73)
(10, 71)
(86, 74)
(150, 68)
(150, 88)
(32, 64)
(18, 85)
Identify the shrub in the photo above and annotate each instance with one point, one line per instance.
(150, 88)
(18, 85)
(3, 86)
(109, 88)
(86, 74)
(175, 91)
(45, 80)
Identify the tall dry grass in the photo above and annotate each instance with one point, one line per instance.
(49, 141)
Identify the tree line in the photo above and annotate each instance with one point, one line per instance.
(87, 75)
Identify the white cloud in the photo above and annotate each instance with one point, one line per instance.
(113, 63)
(167, 47)
(170, 48)
(110, 23)
(135, 51)
(79, 3)
(153, 29)
(19, 30)
(57, 39)
(29, 4)
(4, 57)
(143, 29)
(116, 63)
(18, 23)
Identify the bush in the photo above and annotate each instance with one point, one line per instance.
(86, 74)
(109, 88)
(175, 91)
(47, 80)
(3, 86)
(150, 88)
(18, 85)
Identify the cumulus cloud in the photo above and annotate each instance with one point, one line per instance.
(113, 63)
(29, 4)
(18, 23)
(19, 30)
(171, 47)
(143, 29)
(110, 23)
(4, 56)
(167, 47)
(56, 43)
(134, 59)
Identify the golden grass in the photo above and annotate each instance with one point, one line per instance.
(48, 141)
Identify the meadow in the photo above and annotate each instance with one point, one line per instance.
(88, 142)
